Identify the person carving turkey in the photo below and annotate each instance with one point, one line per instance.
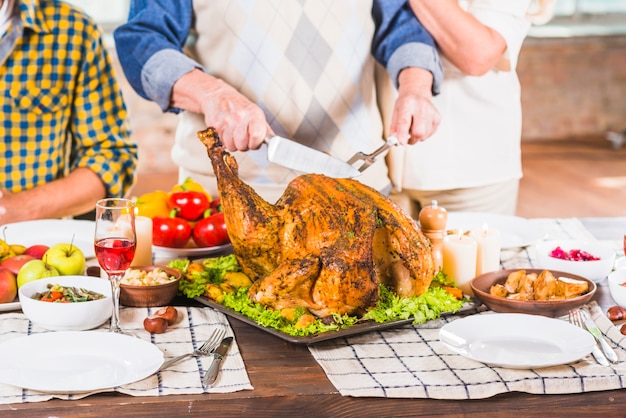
(326, 245)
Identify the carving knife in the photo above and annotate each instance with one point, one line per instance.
(218, 357)
(299, 157)
(595, 331)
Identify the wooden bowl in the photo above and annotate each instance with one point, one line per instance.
(551, 308)
(148, 296)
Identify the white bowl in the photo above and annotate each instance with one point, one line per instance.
(75, 316)
(618, 292)
(596, 270)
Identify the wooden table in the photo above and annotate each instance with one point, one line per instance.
(288, 382)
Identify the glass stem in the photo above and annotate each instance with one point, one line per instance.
(115, 315)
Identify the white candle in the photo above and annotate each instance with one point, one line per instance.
(143, 252)
(487, 250)
(459, 260)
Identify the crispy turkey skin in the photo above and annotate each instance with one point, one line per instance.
(325, 245)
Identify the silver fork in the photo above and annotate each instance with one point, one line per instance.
(205, 349)
(369, 159)
(575, 318)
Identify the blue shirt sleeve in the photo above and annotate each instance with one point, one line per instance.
(150, 47)
(400, 41)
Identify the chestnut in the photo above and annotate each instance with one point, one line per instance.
(616, 313)
(155, 324)
(623, 329)
(169, 313)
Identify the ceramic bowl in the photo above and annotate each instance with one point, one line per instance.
(617, 286)
(141, 296)
(75, 316)
(596, 270)
(551, 308)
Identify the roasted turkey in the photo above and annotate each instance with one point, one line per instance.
(326, 245)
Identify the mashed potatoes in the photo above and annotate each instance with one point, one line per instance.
(154, 277)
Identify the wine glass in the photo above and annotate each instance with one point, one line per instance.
(115, 241)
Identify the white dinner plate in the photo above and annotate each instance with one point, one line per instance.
(76, 361)
(10, 306)
(53, 231)
(187, 251)
(515, 232)
(516, 341)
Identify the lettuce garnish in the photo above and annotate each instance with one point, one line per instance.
(391, 307)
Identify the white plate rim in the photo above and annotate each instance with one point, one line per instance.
(147, 356)
(10, 306)
(82, 229)
(457, 336)
(515, 225)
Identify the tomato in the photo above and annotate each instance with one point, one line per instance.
(216, 206)
(170, 231)
(152, 204)
(51, 296)
(190, 205)
(210, 231)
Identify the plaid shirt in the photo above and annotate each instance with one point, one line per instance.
(61, 105)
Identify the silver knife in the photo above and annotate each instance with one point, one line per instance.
(218, 357)
(595, 331)
(597, 354)
(299, 157)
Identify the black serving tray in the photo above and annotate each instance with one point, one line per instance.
(356, 329)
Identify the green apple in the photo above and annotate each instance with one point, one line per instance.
(35, 270)
(68, 259)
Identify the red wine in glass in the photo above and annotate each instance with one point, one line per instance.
(115, 254)
(114, 244)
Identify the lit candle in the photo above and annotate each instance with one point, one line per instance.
(487, 250)
(143, 252)
(459, 260)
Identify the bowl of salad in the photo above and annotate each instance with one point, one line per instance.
(590, 259)
(67, 303)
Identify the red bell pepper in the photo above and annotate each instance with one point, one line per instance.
(170, 231)
(189, 204)
(211, 231)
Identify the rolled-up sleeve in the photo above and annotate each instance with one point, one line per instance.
(150, 47)
(400, 41)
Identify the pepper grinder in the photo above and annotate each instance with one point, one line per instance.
(433, 221)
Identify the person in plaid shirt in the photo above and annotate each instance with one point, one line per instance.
(64, 133)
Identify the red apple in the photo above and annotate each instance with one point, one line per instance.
(8, 286)
(37, 250)
(15, 263)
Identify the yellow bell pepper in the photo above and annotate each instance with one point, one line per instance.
(190, 184)
(152, 204)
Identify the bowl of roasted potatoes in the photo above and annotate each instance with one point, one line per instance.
(544, 292)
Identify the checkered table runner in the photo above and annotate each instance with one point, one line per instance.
(181, 378)
(411, 362)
